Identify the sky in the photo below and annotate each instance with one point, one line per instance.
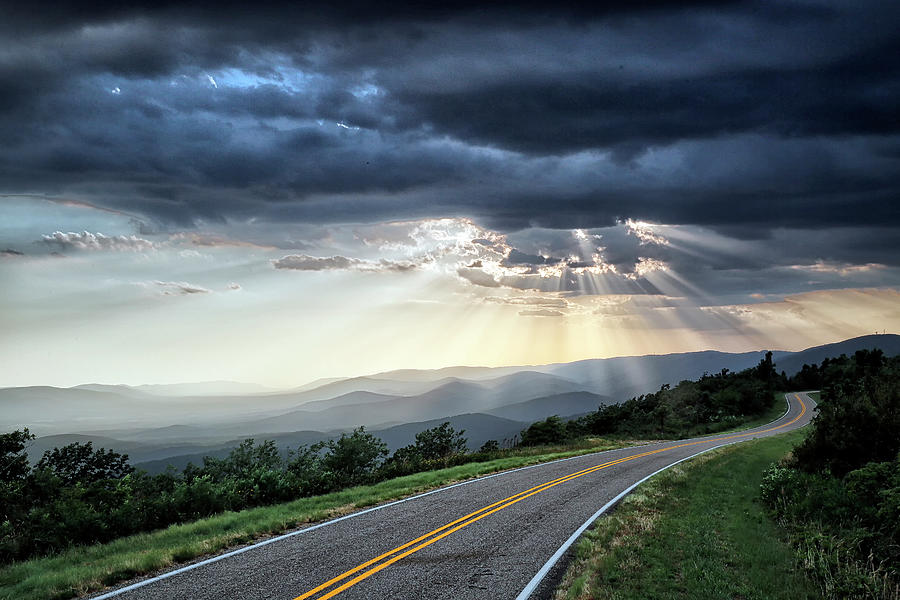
(275, 193)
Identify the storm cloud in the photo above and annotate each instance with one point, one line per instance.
(772, 126)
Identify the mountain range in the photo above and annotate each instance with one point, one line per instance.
(161, 424)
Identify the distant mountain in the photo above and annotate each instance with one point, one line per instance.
(792, 363)
(563, 405)
(426, 375)
(450, 398)
(120, 389)
(44, 408)
(478, 428)
(151, 416)
(316, 384)
(205, 388)
(624, 377)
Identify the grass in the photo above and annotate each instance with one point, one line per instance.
(774, 412)
(85, 569)
(696, 531)
(816, 396)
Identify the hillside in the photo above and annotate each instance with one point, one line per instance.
(791, 364)
(563, 405)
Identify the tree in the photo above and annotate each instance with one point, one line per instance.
(305, 464)
(489, 446)
(80, 463)
(858, 420)
(244, 460)
(440, 442)
(353, 459)
(549, 431)
(13, 459)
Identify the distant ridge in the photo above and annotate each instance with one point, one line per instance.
(888, 343)
(157, 425)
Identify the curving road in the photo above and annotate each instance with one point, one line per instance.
(489, 538)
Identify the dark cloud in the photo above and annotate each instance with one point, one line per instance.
(477, 276)
(746, 118)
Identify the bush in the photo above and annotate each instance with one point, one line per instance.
(551, 430)
(858, 420)
(353, 459)
(839, 495)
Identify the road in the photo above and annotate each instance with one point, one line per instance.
(488, 538)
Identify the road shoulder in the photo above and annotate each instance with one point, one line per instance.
(695, 531)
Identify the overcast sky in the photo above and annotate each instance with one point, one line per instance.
(278, 193)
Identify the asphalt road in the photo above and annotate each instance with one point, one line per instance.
(487, 538)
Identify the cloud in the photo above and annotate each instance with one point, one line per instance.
(180, 288)
(529, 301)
(304, 262)
(706, 155)
(10, 253)
(96, 241)
(842, 269)
(543, 134)
(644, 232)
(478, 277)
(541, 312)
(234, 286)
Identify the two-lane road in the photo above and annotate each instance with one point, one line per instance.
(489, 538)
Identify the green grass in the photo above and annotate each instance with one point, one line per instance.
(816, 396)
(89, 568)
(696, 531)
(774, 412)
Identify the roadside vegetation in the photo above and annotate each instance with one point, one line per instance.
(712, 404)
(838, 494)
(81, 569)
(696, 531)
(822, 522)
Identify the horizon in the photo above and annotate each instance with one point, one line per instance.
(309, 384)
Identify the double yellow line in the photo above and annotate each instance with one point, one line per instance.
(370, 567)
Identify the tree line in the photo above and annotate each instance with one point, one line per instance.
(712, 403)
(839, 491)
(77, 494)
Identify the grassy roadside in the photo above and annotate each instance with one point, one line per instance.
(82, 570)
(777, 409)
(696, 531)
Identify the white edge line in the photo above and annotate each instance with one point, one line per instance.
(191, 566)
(536, 580)
(219, 557)
(539, 576)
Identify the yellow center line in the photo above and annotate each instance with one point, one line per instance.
(481, 513)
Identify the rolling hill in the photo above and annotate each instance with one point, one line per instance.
(151, 424)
